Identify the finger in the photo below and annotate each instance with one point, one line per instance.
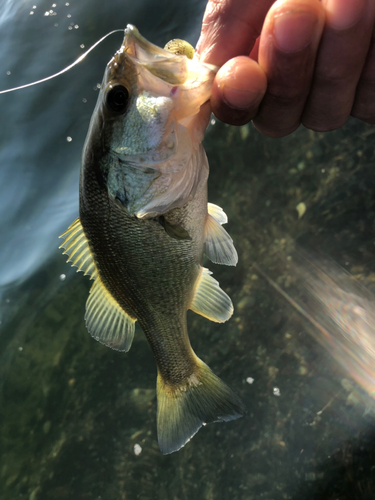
(342, 54)
(364, 101)
(287, 53)
(238, 88)
(255, 50)
(230, 28)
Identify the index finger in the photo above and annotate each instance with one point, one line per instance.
(230, 28)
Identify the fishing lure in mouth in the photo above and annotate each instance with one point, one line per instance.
(145, 223)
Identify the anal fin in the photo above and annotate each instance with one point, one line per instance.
(209, 299)
(106, 321)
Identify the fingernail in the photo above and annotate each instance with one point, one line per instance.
(343, 14)
(293, 31)
(239, 99)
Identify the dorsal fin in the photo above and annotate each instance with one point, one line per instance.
(219, 245)
(209, 299)
(77, 248)
(106, 321)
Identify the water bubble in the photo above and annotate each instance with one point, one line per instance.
(276, 391)
(69, 139)
(76, 26)
(46, 13)
(82, 45)
(8, 73)
(69, 16)
(84, 99)
(31, 12)
(249, 380)
(62, 277)
(20, 348)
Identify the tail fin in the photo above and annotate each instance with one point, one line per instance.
(201, 399)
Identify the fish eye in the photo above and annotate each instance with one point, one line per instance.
(117, 98)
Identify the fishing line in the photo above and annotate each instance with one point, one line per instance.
(77, 61)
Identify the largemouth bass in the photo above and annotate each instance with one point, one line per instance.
(144, 224)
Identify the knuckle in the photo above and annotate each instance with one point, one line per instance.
(268, 129)
(216, 10)
(365, 115)
(337, 76)
(284, 96)
(364, 103)
(220, 13)
(233, 117)
(319, 124)
(213, 10)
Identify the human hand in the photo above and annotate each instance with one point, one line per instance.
(291, 62)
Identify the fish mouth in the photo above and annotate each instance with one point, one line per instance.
(138, 47)
(172, 68)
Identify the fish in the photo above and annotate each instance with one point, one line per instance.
(145, 223)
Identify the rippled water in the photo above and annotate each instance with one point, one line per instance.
(299, 348)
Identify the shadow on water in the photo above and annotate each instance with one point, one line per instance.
(73, 412)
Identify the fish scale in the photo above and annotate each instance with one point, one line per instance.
(149, 286)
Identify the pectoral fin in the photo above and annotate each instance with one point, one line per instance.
(217, 213)
(219, 245)
(176, 231)
(77, 248)
(209, 300)
(106, 321)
